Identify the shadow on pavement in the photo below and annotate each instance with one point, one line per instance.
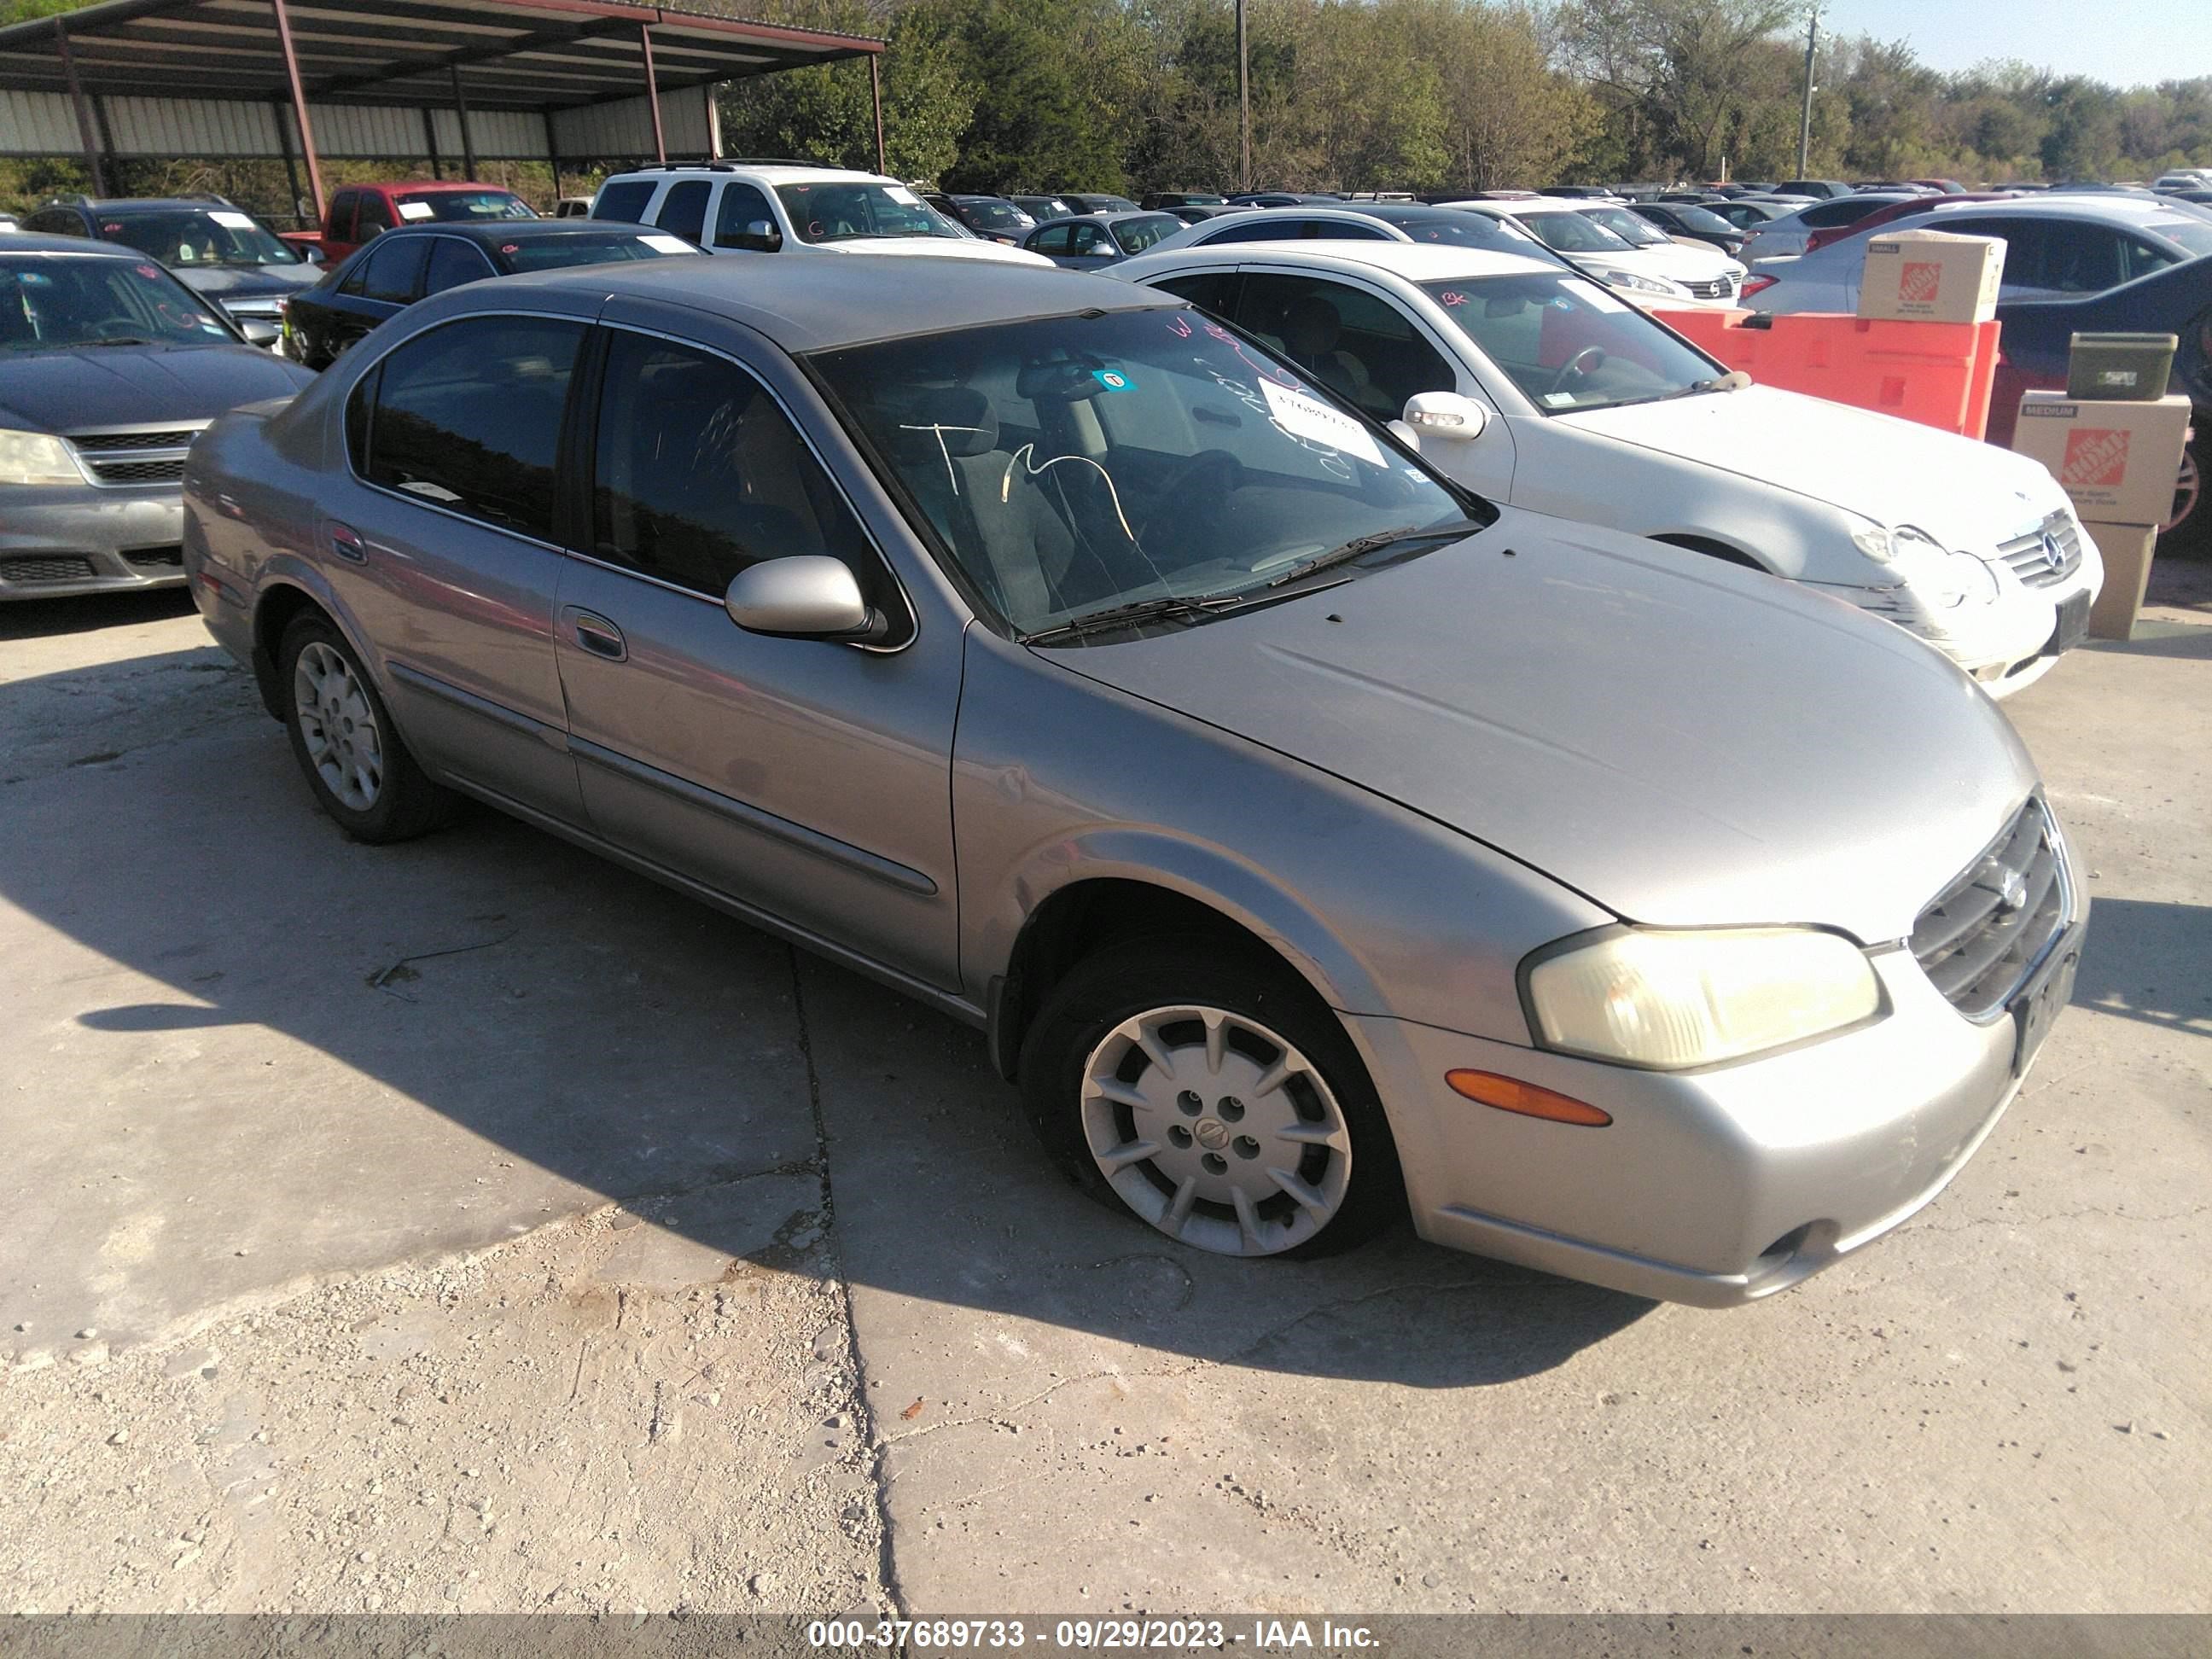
(23, 619)
(2150, 961)
(574, 1017)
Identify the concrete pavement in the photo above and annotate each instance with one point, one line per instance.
(261, 1074)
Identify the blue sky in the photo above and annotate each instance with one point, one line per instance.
(2126, 42)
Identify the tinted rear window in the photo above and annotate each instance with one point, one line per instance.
(625, 200)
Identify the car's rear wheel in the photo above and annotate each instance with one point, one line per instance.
(1213, 1096)
(2188, 533)
(356, 762)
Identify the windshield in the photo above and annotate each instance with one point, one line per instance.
(1568, 344)
(1632, 227)
(996, 216)
(1450, 229)
(587, 248)
(198, 236)
(841, 212)
(1705, 219)
(1135, 236)
(1070, 464)
(456, 205)
(1573, 233)
(51, 300)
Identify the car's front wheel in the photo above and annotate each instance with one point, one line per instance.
(1214, 1096)
(356, 762)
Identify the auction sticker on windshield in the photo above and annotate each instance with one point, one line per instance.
(232, 220)
(1308, 418)
(415, 210)
(901, 194)
(666, 244)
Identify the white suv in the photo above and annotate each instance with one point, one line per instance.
(748, 207)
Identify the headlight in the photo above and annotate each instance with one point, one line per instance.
(1668, 999)
(1943, 580)
(1629, 279)
(35, 457)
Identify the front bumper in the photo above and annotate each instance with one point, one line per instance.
(89, 538)
(1713, 1188)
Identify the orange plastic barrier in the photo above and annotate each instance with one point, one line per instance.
(1937, 373)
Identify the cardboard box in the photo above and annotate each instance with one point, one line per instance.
(2119, 461)
(1931, 276)
(2127, 552)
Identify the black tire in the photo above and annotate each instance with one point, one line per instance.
(2190, 537)
(406, 803)
(1127, 979)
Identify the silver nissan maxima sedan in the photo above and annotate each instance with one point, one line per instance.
(1313, 839)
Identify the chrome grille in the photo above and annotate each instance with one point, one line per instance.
(46, 568)
(1987, 930)
(135, 458)
(2030, 560)
(1721, 288)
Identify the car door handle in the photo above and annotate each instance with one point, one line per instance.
(597, 635)
(346, 543)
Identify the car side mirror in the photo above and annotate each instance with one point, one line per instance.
(315, 256)
(803, 596)
(1446, 415)
(760, 236)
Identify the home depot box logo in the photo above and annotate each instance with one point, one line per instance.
(2095, 457)
(1918, 284)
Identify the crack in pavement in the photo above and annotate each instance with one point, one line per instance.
(864, 1414)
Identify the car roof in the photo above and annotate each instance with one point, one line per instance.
(40, 242)
(2133, 210)
(774, 173)
(1417, 262)
(814, 305)
(507, 229)
(136, 204)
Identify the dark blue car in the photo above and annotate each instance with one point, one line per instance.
(2178, 301)
(388, 275)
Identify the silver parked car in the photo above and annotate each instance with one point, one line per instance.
(1312, 839)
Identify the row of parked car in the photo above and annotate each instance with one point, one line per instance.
(1322, 705)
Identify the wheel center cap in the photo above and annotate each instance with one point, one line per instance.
(1212, 1134)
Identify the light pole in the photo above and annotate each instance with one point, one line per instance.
(1243, 105)
(1805, 120)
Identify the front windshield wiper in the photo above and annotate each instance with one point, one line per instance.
(1735, 380)
(1159, 608)
(1360, 546)
(112, 340)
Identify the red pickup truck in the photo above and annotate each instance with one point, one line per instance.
(357, 212)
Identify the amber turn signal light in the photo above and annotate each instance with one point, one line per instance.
(1511, 1095)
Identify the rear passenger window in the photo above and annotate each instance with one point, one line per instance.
(624, 202)
(1213, 291)
(684, 213)
(1337, 230)
(453, 262)
(741, 208)
(468, 418)
(698, 473)
(393, 273)
(1261, 230)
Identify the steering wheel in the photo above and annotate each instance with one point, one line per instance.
(1575, 365)
(1215, 472)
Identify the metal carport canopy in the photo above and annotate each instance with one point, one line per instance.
(542, 57)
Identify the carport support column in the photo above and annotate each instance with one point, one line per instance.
(653, 93)
(468, 144)
(84, 129)
(300, 106)
(553, 158)
(876, 97)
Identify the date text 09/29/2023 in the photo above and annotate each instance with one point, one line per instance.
(1257, 1636)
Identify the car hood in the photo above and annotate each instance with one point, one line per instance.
(219, 283)
(1967, 495)
(1699, 262)
(130, 386)
(1685, 745)
(943, 247)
